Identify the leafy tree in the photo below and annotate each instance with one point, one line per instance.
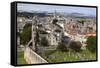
(26, 34)
(91, 43)
(81, 21)
(55, 21)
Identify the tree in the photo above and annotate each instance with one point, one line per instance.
(76, 46)
(26, 34)
(55, 21)
(81, 21)
(91, 43)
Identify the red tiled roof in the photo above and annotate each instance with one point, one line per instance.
(86, 33)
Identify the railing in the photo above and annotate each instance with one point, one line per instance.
(32, 57)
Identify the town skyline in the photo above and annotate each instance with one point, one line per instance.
(53, 8)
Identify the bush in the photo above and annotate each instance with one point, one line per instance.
(76, 46)
(62, 47)
(44, 42)
(91, 43)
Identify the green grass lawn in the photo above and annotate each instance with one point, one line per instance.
(20, 58)
(59, 56)
(53, 56)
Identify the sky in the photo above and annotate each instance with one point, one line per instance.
(53, 8)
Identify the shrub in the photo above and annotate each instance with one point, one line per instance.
(76, 46)
(44, 42)
(91, 43)
(62, 47)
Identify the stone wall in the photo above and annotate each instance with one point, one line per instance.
(32, 57)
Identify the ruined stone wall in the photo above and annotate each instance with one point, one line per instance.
(32, 57)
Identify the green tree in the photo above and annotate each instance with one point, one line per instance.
(91, 43)
(81, 21)
(26, 34)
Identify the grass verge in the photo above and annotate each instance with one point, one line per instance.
(20, 58)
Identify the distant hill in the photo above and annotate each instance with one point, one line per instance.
(80, 15)
(30, 14)
(42, 14)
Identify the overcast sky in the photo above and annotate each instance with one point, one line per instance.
(52, 8)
